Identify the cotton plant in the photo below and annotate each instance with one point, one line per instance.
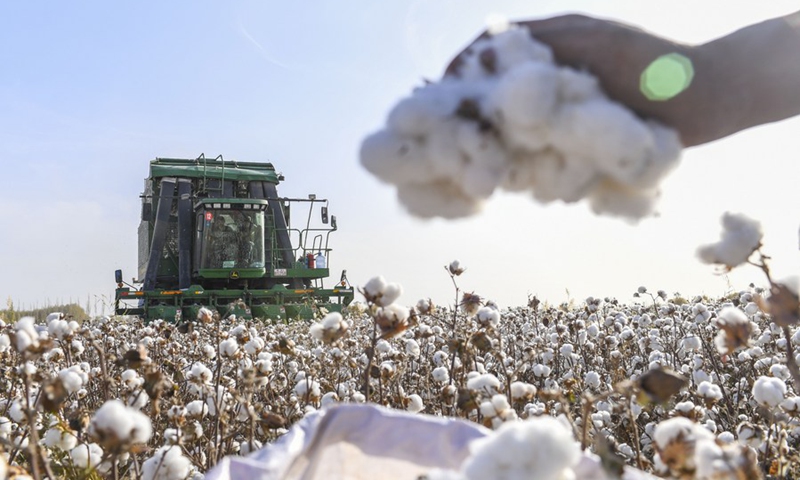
(118, 427)
(741, 237)
(513, 119)
(590, 361)
(690, 450)
(168, 463)
(740, 240)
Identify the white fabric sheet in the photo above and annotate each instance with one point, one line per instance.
(358, 441)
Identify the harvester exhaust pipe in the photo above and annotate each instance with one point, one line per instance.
(184, 233)
(167, 193)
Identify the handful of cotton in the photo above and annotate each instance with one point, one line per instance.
(515, 120)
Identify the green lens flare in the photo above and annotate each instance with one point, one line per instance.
(666, 77)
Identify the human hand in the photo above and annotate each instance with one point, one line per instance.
(618, 55)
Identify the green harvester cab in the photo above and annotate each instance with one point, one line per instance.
(215, 234)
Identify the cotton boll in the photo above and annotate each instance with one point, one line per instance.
(17, 412)
(375, 287)
(607, 134)
(26, 334)
(416, 116)
(472, 67)
(391, 292)
(440, 374)
(116, 425)
(615, 199)
(246, 448)
(480, 147)
(508, 453)
(196, 409)
(709, 391)
(168, 463)
(592, 379)
(479, 182)
(663, 158)
(438, 199)
(556, 177)
(85, 456)
(394, 159)
(741, 236)
(229, 348)
(415, 404)
(527, 139)
(72, 381)
(577, 86)
(446, 159)
(308, 387)
(675, 440)
(515, 46)
(769, 391)
(487, 409)
(468, 133)
(62, 439)
(485, 382)
(412, 348)
(526, 95)
(520, 174)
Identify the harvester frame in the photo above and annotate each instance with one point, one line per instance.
(215, 234)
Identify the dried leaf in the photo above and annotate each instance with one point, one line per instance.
(466, 400)
(481, 341)
(783, 306)
(53, 395)
(134, 358)
(659, 384)
(612, 462)
(272, 420)
(678, 454)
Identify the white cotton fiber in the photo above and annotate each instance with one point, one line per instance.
(479, 182)
(480, 148)
(416, 115)
(520, 173)
(556, 177)
(626, 141)
(577, 86)
(541, 448)
(394, 159)
(512, 119)
(446, 159)
(613, 198)
(527, 95)
(442, 199)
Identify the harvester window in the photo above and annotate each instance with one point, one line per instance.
(233, 239)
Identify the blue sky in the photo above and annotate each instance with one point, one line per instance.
(90, 91)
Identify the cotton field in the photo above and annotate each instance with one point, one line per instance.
(670, 385)
(677, 386)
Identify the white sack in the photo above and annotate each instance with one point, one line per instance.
(358, 441)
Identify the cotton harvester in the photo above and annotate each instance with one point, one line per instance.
(215, 234)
